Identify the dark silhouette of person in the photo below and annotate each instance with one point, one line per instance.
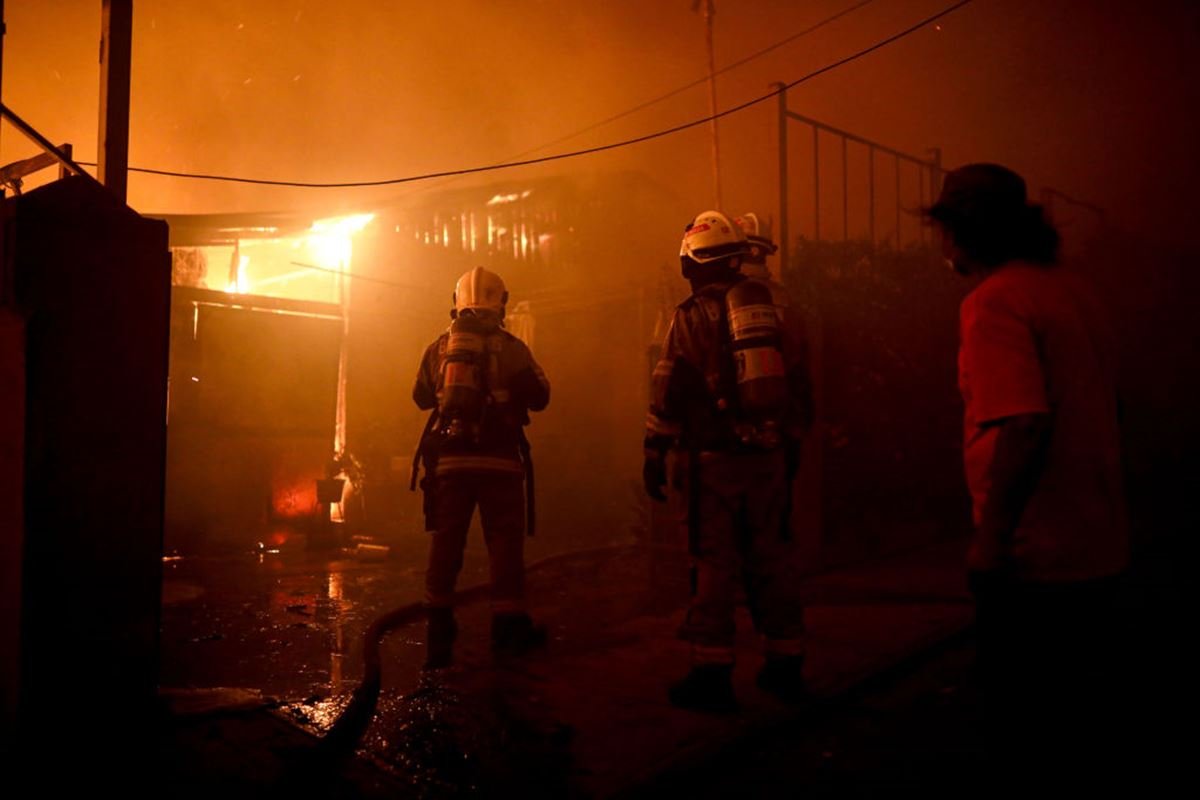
(1037, 374)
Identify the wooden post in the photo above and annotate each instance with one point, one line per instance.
(116, 38)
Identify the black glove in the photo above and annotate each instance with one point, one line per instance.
(654, 476)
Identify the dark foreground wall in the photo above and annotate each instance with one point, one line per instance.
(90, 281)
(12, 452)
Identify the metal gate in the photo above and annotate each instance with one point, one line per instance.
(887, 185)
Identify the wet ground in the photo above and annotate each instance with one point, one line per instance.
(920, 729)
(281, 622)
(585, 717)
(289, 623)
(917, 731)
(288, 627)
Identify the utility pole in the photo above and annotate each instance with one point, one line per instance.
(709, 12)
(116, 39)
(3, 30)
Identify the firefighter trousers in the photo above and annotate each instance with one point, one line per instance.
(501, 501)
(739, 543)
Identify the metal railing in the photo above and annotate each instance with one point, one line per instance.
(928, 172)
(13, 174)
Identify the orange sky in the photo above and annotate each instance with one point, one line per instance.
(1095, 97)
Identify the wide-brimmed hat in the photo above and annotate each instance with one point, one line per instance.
(975, 190)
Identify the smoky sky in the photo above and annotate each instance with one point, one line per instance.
(1094, 98)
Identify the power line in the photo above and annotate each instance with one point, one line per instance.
(698, 81)
(679, 90)
(575, 153)
(667, 96)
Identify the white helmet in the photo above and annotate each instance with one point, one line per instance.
(480, 290)
(758, 234)
(711, 236)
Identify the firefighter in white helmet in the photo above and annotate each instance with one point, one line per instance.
(731, 394)
(480, 382)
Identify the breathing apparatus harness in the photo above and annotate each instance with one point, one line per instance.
(466, 399)
(751, 387)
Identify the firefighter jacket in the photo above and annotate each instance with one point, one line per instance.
(516, 386)
(693, 387)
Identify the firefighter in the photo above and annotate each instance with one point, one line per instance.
(731, 394)
(481, 382)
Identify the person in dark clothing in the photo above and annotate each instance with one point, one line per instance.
(1037, 373)
(730, 394)
(481, 383)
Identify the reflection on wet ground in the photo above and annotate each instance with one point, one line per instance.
(290, 626)
(284, 623)
(444, 738)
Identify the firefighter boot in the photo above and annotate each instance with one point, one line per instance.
(708, 687)
(442, 630)
(783, 676)
(515, 634)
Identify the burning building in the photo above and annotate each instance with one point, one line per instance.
(295, 340)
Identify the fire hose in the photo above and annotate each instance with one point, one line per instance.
(352, 723)
(348, 729)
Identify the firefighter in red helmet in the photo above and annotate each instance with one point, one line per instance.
(481, 382)
(731, 395)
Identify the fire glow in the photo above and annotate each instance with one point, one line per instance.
(307, 266)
